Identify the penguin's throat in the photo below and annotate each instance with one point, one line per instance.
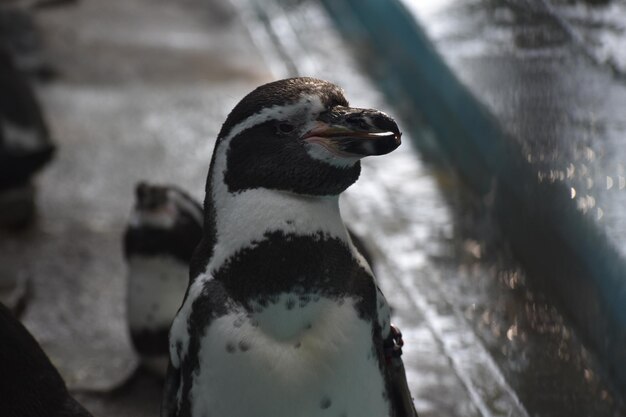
(246, 218)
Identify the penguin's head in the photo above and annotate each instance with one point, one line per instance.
(165, 221)
(299, 135)
(164, 206)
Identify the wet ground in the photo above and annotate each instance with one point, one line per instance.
(144, 88)
(553, 72)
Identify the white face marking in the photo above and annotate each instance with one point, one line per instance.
(156, 286)
(319, 152)
(306, 108)
(245, 217)
(324, 369)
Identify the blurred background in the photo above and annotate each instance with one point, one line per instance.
(497, 229)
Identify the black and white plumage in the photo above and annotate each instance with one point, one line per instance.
(30, 386)
(283, 317)
(163, 231)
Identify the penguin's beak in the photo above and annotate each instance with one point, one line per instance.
(351, 132)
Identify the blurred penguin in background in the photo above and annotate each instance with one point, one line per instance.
(164, 229)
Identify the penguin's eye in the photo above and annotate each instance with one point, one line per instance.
(285, 128)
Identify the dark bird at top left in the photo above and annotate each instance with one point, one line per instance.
(25, 144)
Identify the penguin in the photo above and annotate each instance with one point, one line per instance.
(30, 385)
(163, 231)
(283, 316)
(25, 144)
(21, 36)
(25, 148)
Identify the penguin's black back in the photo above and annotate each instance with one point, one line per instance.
(30, 386)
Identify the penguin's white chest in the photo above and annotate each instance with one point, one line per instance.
(296, 357)
(156, 287)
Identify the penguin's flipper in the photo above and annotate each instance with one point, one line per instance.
(400, 390)
(169, 404)
(360, 245)
(191, 321)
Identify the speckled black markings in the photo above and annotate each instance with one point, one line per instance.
(230, 290)
(304, 300)
(312, 259)
(290, 304)
(277, 253)
(214, 302)
(244, 346)
(325, 403)
(230, 348)
(297, 345)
